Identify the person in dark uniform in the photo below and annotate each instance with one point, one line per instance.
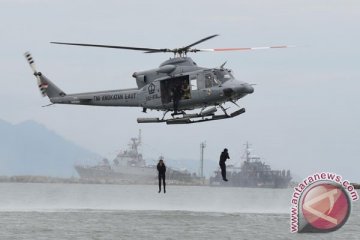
(161, 169)
(223, 157)
(176, 96)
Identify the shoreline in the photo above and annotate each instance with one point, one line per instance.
(75, 180)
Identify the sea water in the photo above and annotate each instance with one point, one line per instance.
(90, 211)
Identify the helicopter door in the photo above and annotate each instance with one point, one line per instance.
(180, 84)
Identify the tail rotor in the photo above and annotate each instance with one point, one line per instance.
(42, 85)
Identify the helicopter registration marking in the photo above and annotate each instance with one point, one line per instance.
(115, 97)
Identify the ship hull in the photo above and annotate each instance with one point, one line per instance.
(123, 174)
(133, 175)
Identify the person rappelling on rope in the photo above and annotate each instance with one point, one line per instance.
(161, 170)
(223, 157)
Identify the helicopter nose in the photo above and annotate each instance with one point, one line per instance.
(228, 92)
(248, 88)
(241, 89)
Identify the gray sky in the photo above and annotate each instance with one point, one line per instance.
(304, 113)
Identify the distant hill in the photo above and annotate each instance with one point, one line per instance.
(29, 148)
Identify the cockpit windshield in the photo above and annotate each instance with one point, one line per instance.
(216, 77)
(223, 75)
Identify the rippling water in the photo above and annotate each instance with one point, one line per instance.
(75, 211)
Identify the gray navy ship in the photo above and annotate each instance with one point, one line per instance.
(252, 173)
(129, 167)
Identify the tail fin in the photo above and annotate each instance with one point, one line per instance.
(47, 88)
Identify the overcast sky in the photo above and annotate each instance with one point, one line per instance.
(304, 114)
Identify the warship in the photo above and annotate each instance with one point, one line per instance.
(252, 173)
(129, 167)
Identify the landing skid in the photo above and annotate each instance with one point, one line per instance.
(203, 116)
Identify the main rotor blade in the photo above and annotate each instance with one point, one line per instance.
(200, 41)
(111, 46)
(235, 49)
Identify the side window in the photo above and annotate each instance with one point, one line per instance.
(194, 84)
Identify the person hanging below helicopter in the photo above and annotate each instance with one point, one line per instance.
(161, 170)
(223, 157)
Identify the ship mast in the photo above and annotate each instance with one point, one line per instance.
(247, 151)
(202, 146)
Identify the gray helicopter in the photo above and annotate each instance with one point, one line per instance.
(176, 86)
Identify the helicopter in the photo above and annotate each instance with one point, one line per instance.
(177, 86)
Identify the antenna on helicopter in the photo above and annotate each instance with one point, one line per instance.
(222, 65)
